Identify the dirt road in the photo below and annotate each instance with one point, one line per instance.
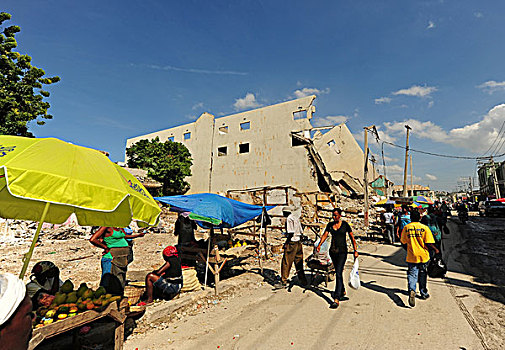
(463, 312)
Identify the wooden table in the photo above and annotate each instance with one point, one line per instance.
(79, 320)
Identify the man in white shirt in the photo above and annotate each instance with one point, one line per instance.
(293, 249)
(389, 225)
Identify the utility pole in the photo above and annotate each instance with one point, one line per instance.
(411, 177)
(406, 163)
(365, 174)
(495, 180)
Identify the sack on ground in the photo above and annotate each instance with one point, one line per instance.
(354, 276)
(437, 267)
(190, 281)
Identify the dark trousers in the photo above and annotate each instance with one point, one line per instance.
(293, 252)
(338, 260)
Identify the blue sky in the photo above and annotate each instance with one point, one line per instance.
(134, 67)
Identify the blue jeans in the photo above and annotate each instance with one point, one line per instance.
(417, 273)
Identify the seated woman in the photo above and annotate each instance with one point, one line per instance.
(166, 282)
(44, 281)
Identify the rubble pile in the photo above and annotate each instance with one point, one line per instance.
(20, 231)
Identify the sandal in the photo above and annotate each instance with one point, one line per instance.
(334, 305)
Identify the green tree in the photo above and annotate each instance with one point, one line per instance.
(21, 92)
(167, 162)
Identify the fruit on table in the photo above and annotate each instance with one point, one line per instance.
(90, 306)
(72, 314)
(62, 316)
(60, 299)
(82, 288)
(50, 314)
(41, 311)
(71, 297)
(81, 306)
(87, 294)
(99, 292)
(47, 321)
(67, 287)
(73, 310)
(63, 309)
(39, 325)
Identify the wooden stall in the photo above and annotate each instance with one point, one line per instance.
(114, 311)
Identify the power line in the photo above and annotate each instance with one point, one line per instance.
(496, 138)
(444, 155)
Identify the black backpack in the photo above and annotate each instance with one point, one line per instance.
(437, 267)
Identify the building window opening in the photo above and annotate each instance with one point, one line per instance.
(331, 143)
(223, 129)
(187, 136)
(171, 139)
(300, 115)
(297, 141)
(222, 151)
(245, 126)
(243, 148)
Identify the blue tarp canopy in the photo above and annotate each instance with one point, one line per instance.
(210, 209)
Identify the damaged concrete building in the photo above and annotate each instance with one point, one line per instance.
(267, 147)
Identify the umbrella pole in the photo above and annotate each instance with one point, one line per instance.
(28, 256)
(208, 253)
(260, 243)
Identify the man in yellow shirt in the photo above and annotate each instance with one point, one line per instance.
(417, 238)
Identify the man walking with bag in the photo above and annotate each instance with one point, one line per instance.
(293, 249)
(417, 238)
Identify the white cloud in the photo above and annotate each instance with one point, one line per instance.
(394, 169)
(476, 137)
(478, 14)
(431, 25)
(430, 104)
(416, 90)
(310, 91)
(197, 106)
(382, 100)
(249, 101)
(431, 177)
(330, 120)
(492, 86)
(388, 159)
(299, 83)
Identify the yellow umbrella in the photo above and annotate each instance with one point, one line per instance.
(47, 179)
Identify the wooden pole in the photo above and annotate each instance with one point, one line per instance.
(365, 176)
(28, 256)
(406, 163)
(411, 177)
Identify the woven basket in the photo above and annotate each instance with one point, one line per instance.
(133, 294)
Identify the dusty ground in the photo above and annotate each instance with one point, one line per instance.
(477, 286)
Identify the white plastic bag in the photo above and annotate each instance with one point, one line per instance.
(354, 276)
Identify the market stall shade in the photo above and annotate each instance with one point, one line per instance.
(47, 179)
(385, 201)
(422, 200)
(210, 209)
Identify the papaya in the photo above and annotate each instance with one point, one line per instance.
(90, 306)
(73, 310)
(62, 316)
(88, 294)
(108, 296)
(99, 292)
(71, 298)
(81, 306)
(67, 287)
(97, 301)
(60, 299)
(82, 288)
